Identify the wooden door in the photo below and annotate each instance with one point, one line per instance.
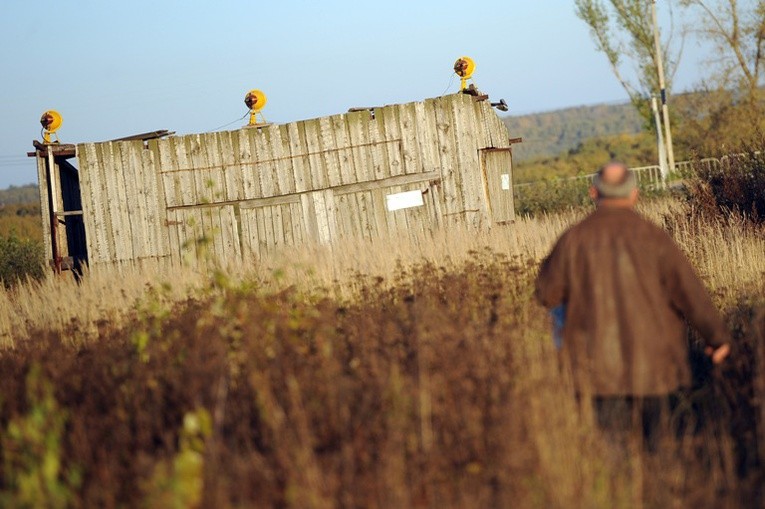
(497, 165)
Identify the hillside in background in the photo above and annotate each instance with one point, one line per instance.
(633, 149)
(557, 132)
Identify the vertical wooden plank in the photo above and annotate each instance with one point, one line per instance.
(394, 218)
(322, 220)
(276, 166)
(93, 210)
(212, 146)
(365, 216)
(331, 211)
(410, 146)
(308, 213)
(346, 166)
(428, 135)
(232, 171)
(201, 174)
(223, 217)
(483, 125)
(264, 245)
(451, 180)
(380, 212)
(42, 188)
(174, 242)
(248, 157)
(113, 206)
(209, 233)
(157, 207)
(135, 198)
(216, 231)
(358, 139)
(316, 160)
(192, 241)
(468, 162)
(328, 148)
(343, 216)
(285, 169)
(298, 226)
(167, 164)
(250, 248)
(392, 135)
(377, 147)
(435, 203)
(287, 228)
(202, 234)
(108, 209)
(289, 166)
(277, 226)
(185, 174)
(293, 138)
(265, 167)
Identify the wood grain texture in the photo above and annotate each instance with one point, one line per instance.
(238, 194)
(42, 179)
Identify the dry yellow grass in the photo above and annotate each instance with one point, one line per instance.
(533, 435)
(728, 254)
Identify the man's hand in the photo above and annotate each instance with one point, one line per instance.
(719, 354)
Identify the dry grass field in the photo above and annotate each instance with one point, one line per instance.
(399, 373)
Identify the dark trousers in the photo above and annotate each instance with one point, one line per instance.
(621, 417)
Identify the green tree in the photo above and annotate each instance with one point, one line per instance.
(623, 31)
(737, 31)
(731, 110)
(20, 259)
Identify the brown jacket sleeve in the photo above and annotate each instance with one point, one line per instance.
(688, 295)
(552, 280)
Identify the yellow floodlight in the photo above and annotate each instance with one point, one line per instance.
(255, 101)
(464, 68)
(50, 120)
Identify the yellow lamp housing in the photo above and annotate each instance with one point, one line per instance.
(255, 101)
(464, 68)
(51, 120)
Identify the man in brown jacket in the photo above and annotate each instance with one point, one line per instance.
(626, 289)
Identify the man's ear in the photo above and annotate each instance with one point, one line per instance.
(593, 193)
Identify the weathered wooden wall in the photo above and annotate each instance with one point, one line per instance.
(246, 192)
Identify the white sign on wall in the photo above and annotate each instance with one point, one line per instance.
(404, 200)
(506, 181)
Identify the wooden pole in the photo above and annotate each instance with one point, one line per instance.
(663, 167)
(663, 90)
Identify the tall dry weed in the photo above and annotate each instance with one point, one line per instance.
(353, 378)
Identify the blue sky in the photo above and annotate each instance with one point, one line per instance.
(119, 68)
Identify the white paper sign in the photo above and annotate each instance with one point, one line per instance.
(405, 200)
(506, 181)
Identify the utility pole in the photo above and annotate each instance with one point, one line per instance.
(662, 87)
(662, 149)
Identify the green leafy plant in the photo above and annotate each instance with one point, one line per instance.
(33, 473)
(20, 259)
(177, 483)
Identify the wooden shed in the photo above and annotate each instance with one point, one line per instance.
(383, 171)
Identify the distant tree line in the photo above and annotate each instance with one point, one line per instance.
(17, 195)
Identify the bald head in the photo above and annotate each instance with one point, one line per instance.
(614, 184)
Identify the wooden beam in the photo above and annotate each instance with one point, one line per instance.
(398, 180)
(57, 149)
